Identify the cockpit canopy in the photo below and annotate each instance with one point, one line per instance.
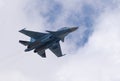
(64, 28)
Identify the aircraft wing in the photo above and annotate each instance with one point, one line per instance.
(56, 49)
(42, 53)
(32, 34)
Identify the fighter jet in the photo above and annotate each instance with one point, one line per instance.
(50, 40)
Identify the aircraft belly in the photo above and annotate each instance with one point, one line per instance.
(46, 45)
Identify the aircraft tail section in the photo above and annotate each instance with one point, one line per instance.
(25, 43)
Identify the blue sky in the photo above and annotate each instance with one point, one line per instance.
(92, 52)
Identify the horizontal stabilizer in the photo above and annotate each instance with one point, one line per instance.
(25, 43)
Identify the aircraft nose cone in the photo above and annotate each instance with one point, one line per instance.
(73, 29)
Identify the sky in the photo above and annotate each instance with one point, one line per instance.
(92, 52)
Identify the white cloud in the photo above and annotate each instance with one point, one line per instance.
(99, 59)
(14, 76)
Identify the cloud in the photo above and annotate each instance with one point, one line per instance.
(97, 20)
(99, 59)
(14, 76)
